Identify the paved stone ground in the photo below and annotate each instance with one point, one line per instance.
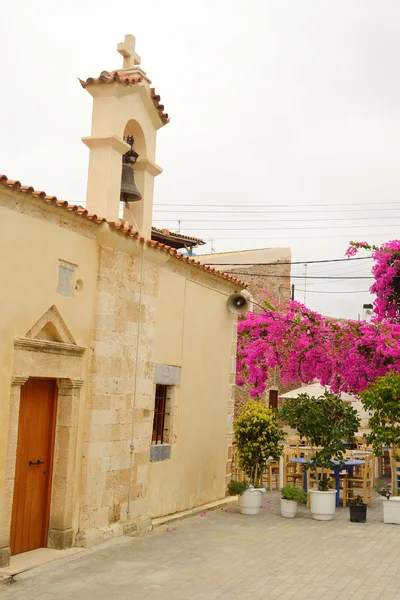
(224, 555)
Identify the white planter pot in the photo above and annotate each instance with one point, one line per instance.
(288, 508)
(250, 501)
(322, 504)
(391, 510)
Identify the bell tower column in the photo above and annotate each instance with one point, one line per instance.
(124, 106)
(104, 179)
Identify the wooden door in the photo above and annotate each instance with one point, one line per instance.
(31, 503)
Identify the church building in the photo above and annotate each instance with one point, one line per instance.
(117, 351)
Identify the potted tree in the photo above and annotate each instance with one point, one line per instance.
(358, 510)
(326, 422)
(290, 496)
(382, 400)
(257, 436)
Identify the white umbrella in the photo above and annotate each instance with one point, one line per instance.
(316, 389)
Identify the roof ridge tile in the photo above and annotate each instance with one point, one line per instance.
(118, 76)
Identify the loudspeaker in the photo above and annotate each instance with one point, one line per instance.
(238, 304)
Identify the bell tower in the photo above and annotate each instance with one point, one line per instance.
(126, 116)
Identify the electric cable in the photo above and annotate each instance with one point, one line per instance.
(298, 262)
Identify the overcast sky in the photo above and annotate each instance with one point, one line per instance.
(277, 107)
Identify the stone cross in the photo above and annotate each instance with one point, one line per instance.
(127, 49)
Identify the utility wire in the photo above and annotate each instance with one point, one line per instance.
(302, 276)
(324, 283)
(268, 220)
(328, 270)
(282, 205)
(300, 262)
(287, 228)
(266, 210)
(334, 292)
(290, 237)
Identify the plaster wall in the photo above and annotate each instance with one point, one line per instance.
(195, 331)
(32, 240)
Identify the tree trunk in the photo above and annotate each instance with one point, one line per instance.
(393, 470)
(255, 482)
(322, 477)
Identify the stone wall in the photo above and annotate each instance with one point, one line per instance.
(107, 472)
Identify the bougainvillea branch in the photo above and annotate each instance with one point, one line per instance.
(386, 271)
(305, 345)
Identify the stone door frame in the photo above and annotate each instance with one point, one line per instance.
(62, 362)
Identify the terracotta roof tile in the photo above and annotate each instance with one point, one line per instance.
(120, 226)
(122, 77)
(179, 235)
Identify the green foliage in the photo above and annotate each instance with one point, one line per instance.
(356, 501)
(325, 484)
(236, 488)
(382, 400)
(325, 421)
(257, 436)
(291, 492)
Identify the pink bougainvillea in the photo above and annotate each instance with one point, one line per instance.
(386, 271)
(304, 345)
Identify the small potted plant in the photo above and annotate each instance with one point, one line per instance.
(257, 436)
(358, 510)
(290, 497)
(384, 489)
(325, 422)
(250, 503)
(390, 505)
(236, 488)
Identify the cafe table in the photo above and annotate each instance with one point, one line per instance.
(338, 467)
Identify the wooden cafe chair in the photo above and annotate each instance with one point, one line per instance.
(360, 484)
(292, 472)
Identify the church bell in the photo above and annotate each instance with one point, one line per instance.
(129, 191)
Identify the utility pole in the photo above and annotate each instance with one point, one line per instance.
(292, 294)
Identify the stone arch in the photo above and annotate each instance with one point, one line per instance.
(133, 128)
